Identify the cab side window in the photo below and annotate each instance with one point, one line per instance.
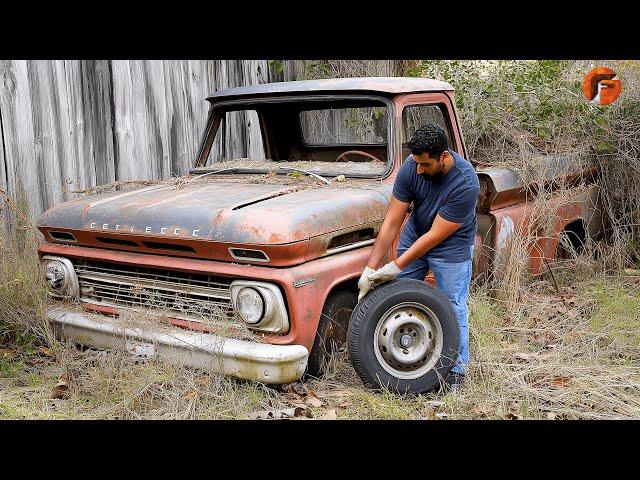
(415, 116)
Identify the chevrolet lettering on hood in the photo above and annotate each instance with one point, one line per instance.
(147, 229)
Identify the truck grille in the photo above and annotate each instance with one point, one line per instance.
(184, 295)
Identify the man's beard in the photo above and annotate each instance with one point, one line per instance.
(436, 176)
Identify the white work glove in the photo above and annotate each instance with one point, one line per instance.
(364, 284)
(384, 274)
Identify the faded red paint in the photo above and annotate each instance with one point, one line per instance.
(304, 304)
(571, 209)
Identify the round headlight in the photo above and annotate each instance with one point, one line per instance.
(250, 305)
(61, 278)
(55, 274)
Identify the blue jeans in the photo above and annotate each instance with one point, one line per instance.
(452, 279)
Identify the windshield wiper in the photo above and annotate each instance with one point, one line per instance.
(322, 179)
(215, 171)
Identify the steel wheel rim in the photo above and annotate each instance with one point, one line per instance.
(408, 340)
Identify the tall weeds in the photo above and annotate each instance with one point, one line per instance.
(521, 115)
(22, 287)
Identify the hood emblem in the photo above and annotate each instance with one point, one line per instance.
(147, 229)
(302, 282)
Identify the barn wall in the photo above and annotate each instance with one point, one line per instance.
(67, 125)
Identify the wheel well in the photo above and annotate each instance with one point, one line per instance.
(350, 285)
(572, 239)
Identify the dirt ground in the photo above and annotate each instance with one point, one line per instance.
(569, 356)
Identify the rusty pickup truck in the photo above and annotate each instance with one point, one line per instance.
(249, 264)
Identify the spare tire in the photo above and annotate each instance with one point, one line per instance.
(403, 336)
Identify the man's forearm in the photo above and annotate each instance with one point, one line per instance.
(381, 246)
(390, 227)
(440, 230)
(421, 246)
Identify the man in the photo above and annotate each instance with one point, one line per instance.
(440, 232)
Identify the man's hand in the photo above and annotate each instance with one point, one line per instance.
(384, 274)
(364, 284)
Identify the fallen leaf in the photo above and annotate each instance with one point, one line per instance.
(344, 405)
(34, 360)
(334, 393)
(340, 178)
(513, 416)
(190, 395)
(561, 381)
(330, 415)
(442, 415)
(551, 416)
(46, 351)
(7, 353)
(434, 403)
(61, 388)
(313, 401)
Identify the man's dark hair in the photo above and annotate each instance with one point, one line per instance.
(429, 138)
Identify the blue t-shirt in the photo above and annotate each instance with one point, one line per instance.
(452, 196)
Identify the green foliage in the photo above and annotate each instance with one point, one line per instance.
(515, 113)
(537, 97)
(277, 66)
(316, 70)
(414, 69)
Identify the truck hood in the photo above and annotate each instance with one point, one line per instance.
(224, 211)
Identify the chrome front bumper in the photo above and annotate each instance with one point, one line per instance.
(263, 362)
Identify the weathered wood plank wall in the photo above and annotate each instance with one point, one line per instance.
(67, 125)
(4, 224)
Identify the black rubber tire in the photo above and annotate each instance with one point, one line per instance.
(331, 335)
(365, 318)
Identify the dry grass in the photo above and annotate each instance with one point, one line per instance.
(22, 287)
(573, 359)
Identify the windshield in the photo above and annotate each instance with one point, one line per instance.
(330, 137)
